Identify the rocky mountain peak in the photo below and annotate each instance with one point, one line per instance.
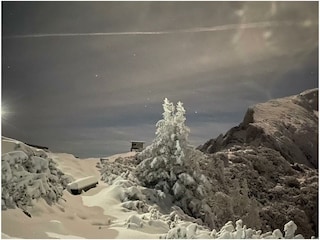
(273, 153)
(288, 125)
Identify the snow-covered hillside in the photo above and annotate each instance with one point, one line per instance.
(169, 190)
(288, 125)
(275, 153)
(121, 209)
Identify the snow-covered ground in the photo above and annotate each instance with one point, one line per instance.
(69, 218)
(108, 211)
(96, 213)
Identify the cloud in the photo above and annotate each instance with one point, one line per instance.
(96, 75)
(253, 25)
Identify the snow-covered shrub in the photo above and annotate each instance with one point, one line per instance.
(229, 231)
(134, 221)
(133, 193)
(119, 181)
(161, 225)
(139, 206)
(133, 196)
(170, 164)
(177, 232)
(111, 171)
(26, 177)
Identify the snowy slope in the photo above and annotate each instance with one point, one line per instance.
(120, 209)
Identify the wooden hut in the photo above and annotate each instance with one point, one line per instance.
(137, 146)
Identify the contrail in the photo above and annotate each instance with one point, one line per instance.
(190, 30)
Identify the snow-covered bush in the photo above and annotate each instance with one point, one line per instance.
(111, 171)
(170, 164)
(134, 221)
(138, 206)
(152, 218)
(229, 231)
(26, 177)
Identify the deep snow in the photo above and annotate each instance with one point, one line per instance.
(108, 211)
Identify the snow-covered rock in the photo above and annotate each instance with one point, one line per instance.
(289, 229)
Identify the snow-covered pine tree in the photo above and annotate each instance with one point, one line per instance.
(156, 157)
(181, 133)
(170, 163)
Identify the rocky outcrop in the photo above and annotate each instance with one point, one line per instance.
(288, 125)
(266, 168)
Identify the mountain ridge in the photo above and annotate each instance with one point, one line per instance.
(288, 125)
(273, 154)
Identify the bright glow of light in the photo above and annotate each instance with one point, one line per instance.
(4, 112)
(6, 118)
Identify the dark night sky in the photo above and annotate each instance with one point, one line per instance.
(91, 94)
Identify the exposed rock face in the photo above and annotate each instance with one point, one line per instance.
(269, 164)
(288, 125)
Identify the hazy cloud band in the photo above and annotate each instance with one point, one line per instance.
(190, 30)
